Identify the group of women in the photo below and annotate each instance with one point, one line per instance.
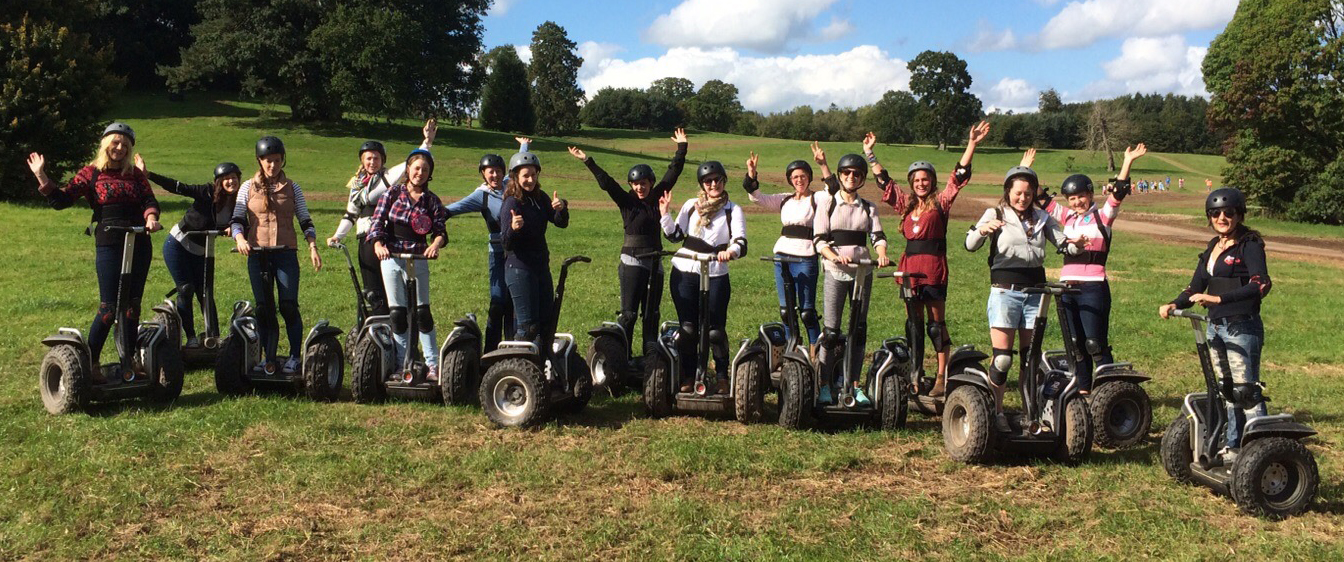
(393, 212)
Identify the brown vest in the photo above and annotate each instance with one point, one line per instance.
(272, 223)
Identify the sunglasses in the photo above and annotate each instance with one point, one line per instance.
(1229, 213)
(851, 172)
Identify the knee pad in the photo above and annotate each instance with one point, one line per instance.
(377, 302)
(809, 316)
(829, 337)
(289, 308)
(107, 312)
(400, 321)
(999, 366)
(186, 292)
(784, 314)
(132, 310)
(1247, 395)
(938, 337)
(424, 319)
(627, 318)
(1095, 349)
(718, 337)
(686, 332)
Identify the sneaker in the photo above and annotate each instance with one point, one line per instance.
(433, 375)
(291, 365)
(686, 385)
(1228, 455)
(193, 342)
(1001, 424)
(860, 397)
(824, 397)
(725, 386)
(260, 368)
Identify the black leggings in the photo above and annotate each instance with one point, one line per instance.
(686, 297)
(371, 271)
(107, 262)
(641, 293)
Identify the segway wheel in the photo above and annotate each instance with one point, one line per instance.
(166, 384)
(352, 338)
(64, 380)
(895, 409)
(172, 327)
(459, 369)
(795, 396)
(324, 370)
(230, 380)
(513, 393)
(1274, 477)
(657, 386)
(967, 425)
(749, 384)
(581, 385)
(1076, 442)
(1177, 451)
(608, 358)
(367, 379)
(1122, 413)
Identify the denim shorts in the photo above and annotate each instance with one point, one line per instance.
(1012, 310)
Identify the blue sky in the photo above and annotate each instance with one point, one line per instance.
(784, 53)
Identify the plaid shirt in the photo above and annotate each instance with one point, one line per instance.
(396, 211)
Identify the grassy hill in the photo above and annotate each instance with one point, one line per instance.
(276, 477)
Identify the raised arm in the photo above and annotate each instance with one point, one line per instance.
(753, 188)
(675, 167)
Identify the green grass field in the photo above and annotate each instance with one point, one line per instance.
(276, 477)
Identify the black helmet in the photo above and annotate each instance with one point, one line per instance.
(524, 159)
(226, 168)
(797, 165)
(922, 165)
(640, 172)
(491, 161)
(1020, 172)
(428, 158)
(117, 127)
(374, 146)
(855, 161)
(708, 169)
(1076, 184)
(270, 145)
(1225, 198)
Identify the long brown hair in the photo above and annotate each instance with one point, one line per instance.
(1028, 215)
(515, 189)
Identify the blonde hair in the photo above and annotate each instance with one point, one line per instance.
(103, 163)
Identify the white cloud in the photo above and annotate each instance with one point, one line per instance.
(767, 84)
(1153, 64)
(524, 52)
(987, 38)
(835, 30)
(1010, 94)
(1082, 23)
(501, 7)
(595, 51)
(767, 26)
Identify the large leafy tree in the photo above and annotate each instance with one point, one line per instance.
(143, 35)
(678, 89)
(506, 99)
(940, 80)
(893, 117)
(714, 107)
(554, 73)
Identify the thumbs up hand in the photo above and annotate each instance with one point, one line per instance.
(556, 202)
(515, 220)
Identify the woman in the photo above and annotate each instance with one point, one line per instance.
(708, 224)
(120, 195)
(797, 211)
(211, 208)
(641, 279)
(1089, 311)
(1230, 280)
(845, 225)
(487, 200)
(1017, 231)
(924, 218)
(263, 216)
(366, 187)
(527, 260)
(410, 220)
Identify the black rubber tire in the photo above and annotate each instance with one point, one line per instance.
(1177, 450)
(64, 380)
(172, 327)
(607, 355)
(749, 384)
(368, 382)
(795, 396)
(968, 428)
(351, 342)
(459, 374)
(524, 382)
(230, 380)
(166, 385)
(895, 407)
(657, 386)
(324, 371)
(581, 385)
(1122, 413)
(1264, 461)
(1076, 442)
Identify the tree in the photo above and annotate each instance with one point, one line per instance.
(678, 89)
(621, 108)
(1050, 102)
(1108, 128)
(714, 107)
(554, 73)
(893, 117)
(506, 99)
(143, 35)
(54, 89)
(940, 80)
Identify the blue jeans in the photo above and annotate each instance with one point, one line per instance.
(394, 282)
(1089, 316)
(281, 269)
(1235, 349)
(533, 295)
(107, 263)
(499, 320)
(803, 277)
(187, 269)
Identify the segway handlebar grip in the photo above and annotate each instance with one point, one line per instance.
(208, 232)
(131, 229)
(1187, 313)
(336, 245)
(697, 256)
(411, 257)
(572, 259)
(784, 259)
(900, 275)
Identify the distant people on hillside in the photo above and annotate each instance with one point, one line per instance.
(1208, 185)
(1180, 184)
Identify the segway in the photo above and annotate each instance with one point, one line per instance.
(611, 355)
(745, 399)
(522, 387)
(152, 370)
(169, 316)
(887, 384)
(1274, 475)
(376, 375)
(1121, 411)
(363, 308)
(321, 367)
(1055, 421)
(778, 351)
(909, 350)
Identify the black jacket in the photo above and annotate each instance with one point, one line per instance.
(643, 232)
(526, 247)
(1240, 277)
(203, 213)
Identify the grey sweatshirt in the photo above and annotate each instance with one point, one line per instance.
(1019, 257)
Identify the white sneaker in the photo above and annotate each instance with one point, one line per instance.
(291, 365)
(1228, 455)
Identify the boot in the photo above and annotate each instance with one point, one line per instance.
(939, 386)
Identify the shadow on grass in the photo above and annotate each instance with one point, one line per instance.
(196, 104)
(110, 409)
(604, 412)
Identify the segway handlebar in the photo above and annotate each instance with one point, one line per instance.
(336, 245)
(784, 259)
(862, 262)
(572, 259)
(207, 232)
(900, 275)
(130, 229)
(1052, 289)
(655, 254)
(265, 249)
(411, 257)
(697, 256)
(1187, 313)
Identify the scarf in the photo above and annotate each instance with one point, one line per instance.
(706, 208)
